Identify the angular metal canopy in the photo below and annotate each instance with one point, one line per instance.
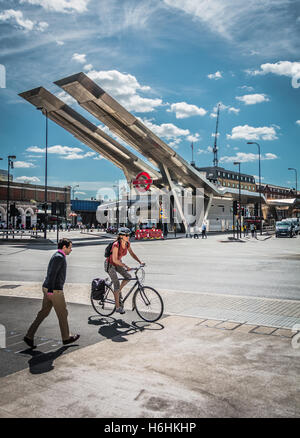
(88, 133)
(101, 105)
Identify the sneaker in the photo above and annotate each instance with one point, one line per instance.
(71, 339)
(120, 310)
(29, 342)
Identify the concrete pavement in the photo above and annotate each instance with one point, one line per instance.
(181, 366)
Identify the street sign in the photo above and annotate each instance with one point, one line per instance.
(142, 182)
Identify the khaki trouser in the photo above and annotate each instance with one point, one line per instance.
(56, 300)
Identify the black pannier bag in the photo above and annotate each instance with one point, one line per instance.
(98, 288)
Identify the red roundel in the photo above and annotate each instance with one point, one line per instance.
(142, 182)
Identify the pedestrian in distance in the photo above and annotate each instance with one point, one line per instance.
(196, 234)
(204, 236)
(54, 296)
(252, 229)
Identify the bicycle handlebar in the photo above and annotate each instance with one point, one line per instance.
(137, 269)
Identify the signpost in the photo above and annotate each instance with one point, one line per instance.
(142, 182)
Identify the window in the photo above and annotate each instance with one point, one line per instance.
(233, 185)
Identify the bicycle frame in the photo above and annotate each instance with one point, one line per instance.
(137, 285)
(134, 288)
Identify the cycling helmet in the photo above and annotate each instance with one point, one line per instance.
(123, 230)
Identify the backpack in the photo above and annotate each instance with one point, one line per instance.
(108, 250)
(98, 288)
(107, 254)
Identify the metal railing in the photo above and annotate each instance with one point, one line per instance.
(19, 234)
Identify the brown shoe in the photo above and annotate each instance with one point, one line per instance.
(71, 339)
(29, 342)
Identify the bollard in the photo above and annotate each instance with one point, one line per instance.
(2, 336)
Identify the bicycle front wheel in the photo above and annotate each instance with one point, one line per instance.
(105, 306)
(148, 304)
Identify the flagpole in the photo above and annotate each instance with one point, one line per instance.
(192, 146)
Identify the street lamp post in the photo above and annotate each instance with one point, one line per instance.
(240, 225)
(259, 177)
(10, 159)
(45, 112)
(292, 168)
(117, 206)
(73, 188)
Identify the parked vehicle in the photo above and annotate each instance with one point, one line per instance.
(111, 230)
(286, 229)
(295, 221)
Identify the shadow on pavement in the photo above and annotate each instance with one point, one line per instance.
(43, 362)
(113, 329)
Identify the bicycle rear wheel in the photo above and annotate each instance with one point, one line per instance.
(148, 304)
(105, 306)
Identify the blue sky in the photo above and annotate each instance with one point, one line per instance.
(169, 62)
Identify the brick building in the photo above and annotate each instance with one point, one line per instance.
(28, 200)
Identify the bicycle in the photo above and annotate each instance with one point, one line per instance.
(146, 301)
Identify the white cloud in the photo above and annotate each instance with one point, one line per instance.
(175, 143)
(247, 88)
(298, 122)
(124, 88)
(223, 107)
(171, 132)
(60, 5)
(281, 68)
(247, 157)
(23, 165)
(234, 110)
(60, 43)
(57, 149)
(65, 97)
(27, 179)
(76, 156)
(252, 99)
(208, 150)
(166, 130)
(247, 24)
(184, 110)
(88, 67)
(79, 57)
(216, 76)
(26, 24)
(247, 132)
(193, 137)
(65, 152)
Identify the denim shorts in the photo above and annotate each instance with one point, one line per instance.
(113, 270)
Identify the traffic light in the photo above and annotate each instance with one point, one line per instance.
(243, 211)
(235, 207)
(13, 210)
(58, 208)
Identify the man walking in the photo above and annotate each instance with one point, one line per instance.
(54, 296)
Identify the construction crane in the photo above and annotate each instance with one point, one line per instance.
(215, 149)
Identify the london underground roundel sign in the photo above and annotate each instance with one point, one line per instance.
(142, 182)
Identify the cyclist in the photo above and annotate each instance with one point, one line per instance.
(119, 250)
